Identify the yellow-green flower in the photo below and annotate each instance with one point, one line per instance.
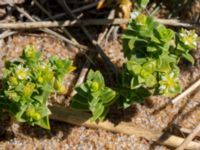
(169, 84)
(12, 80)
(31, 113)
(141, 19)
(189, 38)
(22, 73)
(59, 87)
(29, 51)
(46, 71)
(94, 86)
(36, 116)
(12, 96)
(40, 80)
(28, 89)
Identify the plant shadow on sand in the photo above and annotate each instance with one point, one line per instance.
(122, 115)
(40, 133)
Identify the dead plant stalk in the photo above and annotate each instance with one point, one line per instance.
(85, 22)
(189, 138)
(82, 119)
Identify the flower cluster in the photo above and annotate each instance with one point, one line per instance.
(169, 84)
(22, 73)
(188, 38)
(28, 82)
(185, 41)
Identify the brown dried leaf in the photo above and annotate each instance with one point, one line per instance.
(101, 4)
(125, 6)
(107, 3)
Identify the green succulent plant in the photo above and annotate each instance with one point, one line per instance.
(152, 52)
(94, 96)
(27, 84)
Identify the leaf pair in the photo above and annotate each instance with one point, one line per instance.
(142, 74)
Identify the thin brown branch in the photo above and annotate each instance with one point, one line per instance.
(189, 138)
(103, 35)
(86, 22)
(62, 28)
(51, 31)
(83, 8)
(94, 42)
(7, 33)
(68, 34)
(49, 15)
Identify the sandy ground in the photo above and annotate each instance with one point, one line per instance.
(151, 115)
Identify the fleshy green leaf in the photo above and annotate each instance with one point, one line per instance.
(133, 67)
(104, 114)
(150, 66)
(78, 106)
(18, 111)
(131, 42)
(96, 76)
(188, 57)
(82, 100)
(150, 81)
(44, 123)
(107, 95)
(98, 111)
(83, 91)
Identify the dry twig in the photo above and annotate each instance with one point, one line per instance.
(83, 8)
(188, 131)
(7, 33)
(82, 119)
(189, 138)
(62, 28)
(95, 43)
(49, 15)
(87, 22)
(52, 32)
(186, 92)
